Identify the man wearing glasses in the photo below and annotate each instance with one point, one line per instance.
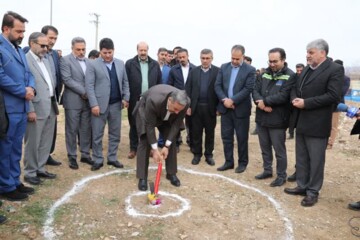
(42, 114)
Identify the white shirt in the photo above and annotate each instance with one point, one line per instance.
(45, 72)
(81, 62)
(185, 71)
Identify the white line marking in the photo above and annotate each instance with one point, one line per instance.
(48, 229)
(185, 205)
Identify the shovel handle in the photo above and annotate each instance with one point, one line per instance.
(158, 175)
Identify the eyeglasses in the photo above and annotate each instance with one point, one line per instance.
(42, 45)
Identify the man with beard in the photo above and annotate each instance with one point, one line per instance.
(18, 87)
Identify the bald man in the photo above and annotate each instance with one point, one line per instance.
(143, 72)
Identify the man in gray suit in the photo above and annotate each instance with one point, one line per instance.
(107, 88)
(76, 103)
(163, 107)
(42, 113)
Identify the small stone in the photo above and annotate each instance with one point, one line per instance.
(135, 234)
(215, 214)
(130, 224)
(183, 236)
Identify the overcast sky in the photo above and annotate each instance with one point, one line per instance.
(259, 25)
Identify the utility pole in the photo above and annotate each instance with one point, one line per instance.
(96, 22)
(51, 7)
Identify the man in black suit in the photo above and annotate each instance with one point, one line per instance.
(315, 95)
(177, 77)
(233, 86)
(200, 89)
(163, 107)
(143, 72)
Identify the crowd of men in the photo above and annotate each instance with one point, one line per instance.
(160, 94)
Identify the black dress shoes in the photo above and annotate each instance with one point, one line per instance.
(142, 186)
(195, 161)
(15, 196)
(23, 189)
(96, 166)
(46, 175)
(295, 191)
(263, 175)
(240, 169)
(87, 160)
(116, 164)
(309, 201)
(33, 180)
(210, 161)
(226, 166)
(278, 182)
(3, 219)
(73, 164)
(173, 179)
(354, 206)
(292, 178)
(52, 162)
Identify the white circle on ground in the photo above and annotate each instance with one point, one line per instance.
(48, 229)
(130, 210)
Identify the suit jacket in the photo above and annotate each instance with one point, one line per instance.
(193, 88)
(133, 72)
(58, 86)
(244, 85)
(176, 77)
(321, 93)
(73, 78)
(15, 75)
(97, 83)
(42, 102)
(3, 118)
(150, 112)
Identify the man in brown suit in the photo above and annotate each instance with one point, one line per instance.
(164, 107)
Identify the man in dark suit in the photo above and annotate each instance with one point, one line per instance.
(52, 55)
(18, 87)
(200, 89)
(143, 72)
(315, 95)
(355, 130)
(163, 107)
(177, 77)
(233, 86)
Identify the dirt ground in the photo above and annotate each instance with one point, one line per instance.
(208, 205)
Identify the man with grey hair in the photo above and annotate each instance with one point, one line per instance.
(76, 103)
(42, 114)
(314, 97)
(162, 107)
(233, 86)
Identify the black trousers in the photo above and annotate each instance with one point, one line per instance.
(202, 120)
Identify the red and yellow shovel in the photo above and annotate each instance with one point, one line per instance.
(153, 196)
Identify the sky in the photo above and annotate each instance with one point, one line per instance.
(258, 25)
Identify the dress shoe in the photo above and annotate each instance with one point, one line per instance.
(309, 201)
(15, 195)
(142, 186)
(24, 189)
(210, 161)
(87, 160)
(96, 166)
(173, 179)
(131, 154)
(46, 175)
(3, 219)
(73, 164)
(292, 178)
(32, 180)
(52, 162)
(354, 206)
(195, 161)
(116, 164)
(263, 175)
(240, 169)
(278, 182)
(295, 191)
(226, 166)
